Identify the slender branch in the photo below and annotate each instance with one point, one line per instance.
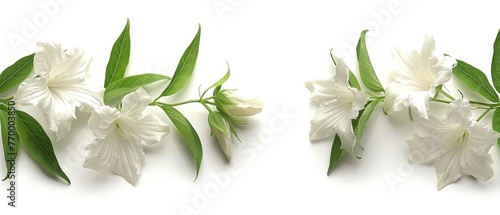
(484, 114)
(446, 94)
(441, 101)
(182, 103)
(207, 107)
(491, 105)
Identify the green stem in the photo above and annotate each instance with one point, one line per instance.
(207, 107)
(484, 114)
(484, 104)
(182, 103)
(441, 101)
(210, 103)
(204, 102)
(446, 94)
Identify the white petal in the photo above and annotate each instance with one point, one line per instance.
(134, 103)
(448, 168)
(148, 129)
(421, 151)
(433, 137)
(482, 138)
(479, 166)
(325, 90)
(58, 111)
(60, 65)
(120, 155)
(428, 47)
(321, 90)
(34, 92)
(401, 95)
(224, 140)
(349, 140)
(243, 107)
(341, 76)
(360, 100)
(459, 111)
(326, 120)
(47, 57)
(101, 121)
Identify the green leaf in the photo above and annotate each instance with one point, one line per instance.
(232, 128)
(188, 133)
(119, 57)
(185, 67)
(495, 63)
(366, 71)
(496, 123)
(16, 73)
(38, 144)
(215, 120)
(475, 79)
(129, 84)
(335, 154)
(10, 141)
(217, 85)
(219, 104)
(363, 120)
(353, 81)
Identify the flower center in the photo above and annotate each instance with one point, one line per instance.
(120, 130)
(344, 96)
(462, 138)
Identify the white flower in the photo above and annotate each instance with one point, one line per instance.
(242, 106)
(337, 104)
(456, 143)
(416, 74)
(60, 86)
(120, 136)
(224, 138)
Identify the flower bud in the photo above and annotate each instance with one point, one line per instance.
(221, 129)
(242, 106)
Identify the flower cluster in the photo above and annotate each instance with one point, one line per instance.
(119, 121)
(455, 142)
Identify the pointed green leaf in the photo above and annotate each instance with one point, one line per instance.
(188, 133)
(16, 73)
(129, 84)
(353, 81)
(217, 85)
(495, 63)
(219, 104)
(232, 128)
(335, 154)
(366, 71)
(119, 57)
(496, 123)
(38, 144)
(185, 67)
(363, 120)
(475, 79)
(10, 139)
(215, 120)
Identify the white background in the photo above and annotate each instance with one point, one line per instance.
(272, 47)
